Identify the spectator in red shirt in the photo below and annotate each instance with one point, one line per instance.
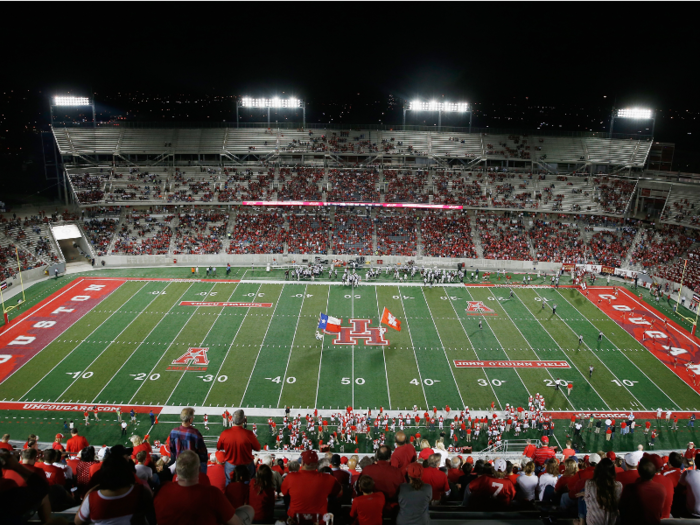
(529, 451)
(690, 452)
(141, 445)
(20, 500)
(630, 474)
(54, 475)
(367, 508)
(5, 443)
(642, 502)
(186, 501)
(28, 458)
(455, 472)
(238, 445)
(238, 490)
(387, 479)
(436, 478)
(542, 455)
(425, 450)
(216, 472)
(309, 489)
(57, 445)
(404, 454)
(665, 482)
(262, 495)
(488, 492)
(76, 443)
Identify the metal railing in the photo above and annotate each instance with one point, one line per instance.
(124, 124)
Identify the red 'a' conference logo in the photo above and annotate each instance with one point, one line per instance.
(479, 308)
(360, 330)
(194, 360)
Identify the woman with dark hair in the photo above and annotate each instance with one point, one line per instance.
(118, 498)
(238, 491)
(602, 495)
(414, 498)
(82, 471)
(262, 495)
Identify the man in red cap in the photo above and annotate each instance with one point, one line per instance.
(662, 480)
(404, 454)
(309, 489)
(543, 454)
(387, 479)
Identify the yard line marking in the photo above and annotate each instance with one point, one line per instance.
(171, 342)
(408, 325)
(379, 315)
(601, 361)
(502, 348)
(229, 349)
(78, 344)
(165, 315)
(568, 400)
(291, 350)
(320, 359)
(474, 349)
(202, 344)
(263, 341)
(623, 353)
(443, 347)
(110, 344)
(570, 360)
(352, 349)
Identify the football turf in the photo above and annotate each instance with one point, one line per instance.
(123, 350)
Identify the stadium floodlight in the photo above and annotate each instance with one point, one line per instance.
(71, 101)
(276, 102)
(455, 107)
(267, 103)
(440, 107)
(634, 113)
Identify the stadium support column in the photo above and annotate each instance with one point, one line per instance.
(65, 189)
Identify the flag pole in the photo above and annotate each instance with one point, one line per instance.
(19, 267)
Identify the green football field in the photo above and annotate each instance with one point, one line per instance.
(123, 350)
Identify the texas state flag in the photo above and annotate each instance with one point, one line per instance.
(329, 324)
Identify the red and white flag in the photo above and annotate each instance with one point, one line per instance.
(390, 320)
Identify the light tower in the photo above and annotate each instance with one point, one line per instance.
(276, 102)
(74, 102)
(633, 114)
(440, 107)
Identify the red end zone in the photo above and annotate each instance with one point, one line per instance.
(32, 331)
(670, 343)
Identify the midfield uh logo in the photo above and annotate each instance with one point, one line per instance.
(193, 356)
(479, 308)
(360, 330)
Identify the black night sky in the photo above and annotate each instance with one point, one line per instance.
(563, 65)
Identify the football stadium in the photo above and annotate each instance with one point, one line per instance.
(495, 301)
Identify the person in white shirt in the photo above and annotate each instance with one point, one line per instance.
(548, 479)
(691, 480)
(526, 483)
(439, 448)
(142, 471)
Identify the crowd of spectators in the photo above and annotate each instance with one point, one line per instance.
(406, 186)
(300, 183)
(554, 241)
(201, 232)
(610, 248)
(503, 237)
(613, 194)
(661, 245)
(257, 231)
(678, 270)
(396, 233)
(308, 232)
(353, 185)
(447, 234)
(183, 481)
(100, 232)
(352, 234)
